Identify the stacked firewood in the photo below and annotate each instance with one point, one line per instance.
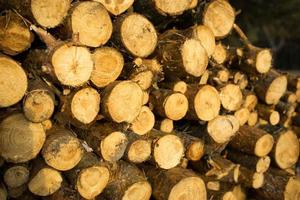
(132, 100)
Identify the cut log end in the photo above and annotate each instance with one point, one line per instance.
(13, 82)
(257, 180)
(216, 12)
(207, 103)
(263, 164)
(276, 90)
(168, 151)
(264, 145)
(140, 190)
(286, 150)
(194, 57)
(206, 37)
(188, 188)
(38, 106)
(292, 189)
(220, 54)
(49, 14)
(91, 181)
(253, 118)
(180, 86)
(144, 79)
(176, 106)
(166, 125)
(85, 105)
(229, 196)
(113, 146)
(231, 97)
(176, 7)
(45, 182)
(139, 151)
(138, 35)
(195, 151)
(144, 121)
(263, 61)
(18, 149)
(16, 176)
(124, 102)
(242, 115)
(274, 118)
(94, 14)
(116, 7)
(108, 66)
(72, 65)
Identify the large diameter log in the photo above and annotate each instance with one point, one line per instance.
(109, 63)
(128, 183)
(90, 176)
(271, 87)
(219, 11)
(62, 150)
(15, 36)
(280, 185)
(180, 55)
(46, 14)
(286, 149)
(168, 149)
(231, 97)
(204, 102)
(136, 33)
(122, 101)
(98, 31)
(170, 104)
(144, 122)
(20, 139)
(175, 184)
(16, 176)
(107, 140)
(253, 141)
(116, 7)
(39, 102)
(13, 82)
(81, 107)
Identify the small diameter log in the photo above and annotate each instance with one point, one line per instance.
(289, 97)
(176, 86)
(44, 180)
(250, 100)
(90, 176)
(20, 139)
(286, 149)
(138, 149)
(268, 114)
(116, 7)
(219, 11)
(279, 185)
(107, 140)
(175, 184)
(128, 183)
(47, 14)
(250, 178)
(94, 14)
(62, 150)
(144, 122)
(219, 75)
(253, 141)
(253, 119)
(258, 164)
(16, 176)
(166, 125)
(39, 101)
(170, 104)
(15, 36)
(242, 115)
(180, 55)
(168, 149)
(13, 82)
(204, 102)
(122, 101)
(271, 87)
(194, 147)
(81, 107)
(220, 54)
(3, 191)
(109, 63)
(231, 97)
(136, 34)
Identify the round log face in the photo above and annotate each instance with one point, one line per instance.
(139, 191)
(176, 106)
(205, 35)
(16, 176)
(276, 90)
(263, 61)
(13, 82)
(49, 13)
(264, 145)
(92, 23)
(231, 97)
(138, 35)
(20, 140)
(220, 54)
(172, 7)
(144, 121)
(139, 151)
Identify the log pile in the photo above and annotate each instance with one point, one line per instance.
(133, 100)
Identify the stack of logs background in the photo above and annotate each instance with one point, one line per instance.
(137, 100)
